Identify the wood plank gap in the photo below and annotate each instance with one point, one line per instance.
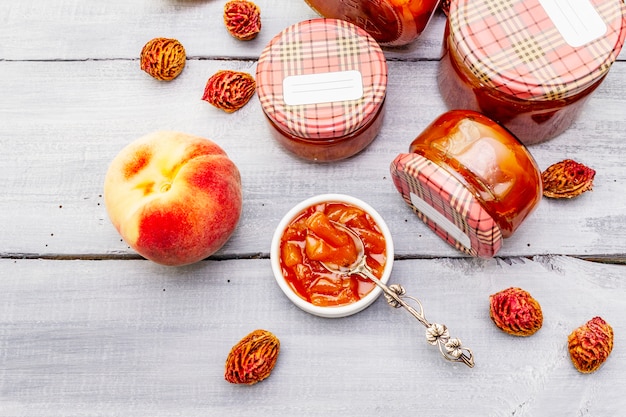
(606, 260)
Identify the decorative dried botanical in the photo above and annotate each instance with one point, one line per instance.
(163, 58)
(567, 179)
(590, 345)
(242, 19)
(229, 90)
(516, 312)
(253, 358)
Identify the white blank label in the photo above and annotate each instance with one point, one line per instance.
(441, 220)
(326, 87)
(576, 20)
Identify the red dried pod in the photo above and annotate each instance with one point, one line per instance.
(242, 19)
(590, 345)
(163, 58)
(515, 312)
(229, 90)
(253, 358)
(567, 179)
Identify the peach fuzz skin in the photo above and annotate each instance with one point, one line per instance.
(174, 198)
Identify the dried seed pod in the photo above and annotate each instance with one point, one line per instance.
(229, 90)
(590, 345)
(252, 359)
(242, 19)
(163, 58)
(515, 312)
(567, 179)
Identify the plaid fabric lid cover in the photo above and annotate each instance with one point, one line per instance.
(321, 46)
(538, 49)
(446, 205)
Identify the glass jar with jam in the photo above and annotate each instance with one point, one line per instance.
(390, 22)
(322, 85)
(530, 65)
(470, 180)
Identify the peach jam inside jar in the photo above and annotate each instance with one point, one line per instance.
(469, 180)
(390, 22)
(530, 65)
(322, 86)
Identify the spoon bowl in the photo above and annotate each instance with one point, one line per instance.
(359, 266)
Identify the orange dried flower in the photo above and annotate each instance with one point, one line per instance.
(590, 345)
(252, 359)
(229, 90)
(163, 58)
(567, 179)
(242, 19)
(515, 312)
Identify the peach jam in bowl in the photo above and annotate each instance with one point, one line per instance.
(311, 234)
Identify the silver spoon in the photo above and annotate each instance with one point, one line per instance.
(436, 334)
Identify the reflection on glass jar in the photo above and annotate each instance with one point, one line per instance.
(390, 22)
(524, 64)
(322, 86)
(469, 180)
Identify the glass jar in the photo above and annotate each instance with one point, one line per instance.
(525, 64)
(470, 180)
(322, 86)
(390, 22)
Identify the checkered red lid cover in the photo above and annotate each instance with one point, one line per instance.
(321, 46)
(538, 49)
(446, 205)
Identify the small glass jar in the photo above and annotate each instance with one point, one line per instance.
(322, 86)
(470, 180)
(529, 64)
(390, 22)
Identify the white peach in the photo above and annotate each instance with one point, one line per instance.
(173, 197)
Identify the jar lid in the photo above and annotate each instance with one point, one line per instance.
(321, 79)
(538, 49)
(446, 205)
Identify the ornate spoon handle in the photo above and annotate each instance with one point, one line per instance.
(436, 334)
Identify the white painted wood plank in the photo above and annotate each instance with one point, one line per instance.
(118, 29)
(131, 338)
(63, 122)
(88, 338)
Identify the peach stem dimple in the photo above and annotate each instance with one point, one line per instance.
(165, 187)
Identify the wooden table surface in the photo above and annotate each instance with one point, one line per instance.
(88, 328)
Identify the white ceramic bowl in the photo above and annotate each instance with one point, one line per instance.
(334, 311)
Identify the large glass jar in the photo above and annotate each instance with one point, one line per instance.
(470, 180)
(390, 22)
(322, 86)
(529, 64)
